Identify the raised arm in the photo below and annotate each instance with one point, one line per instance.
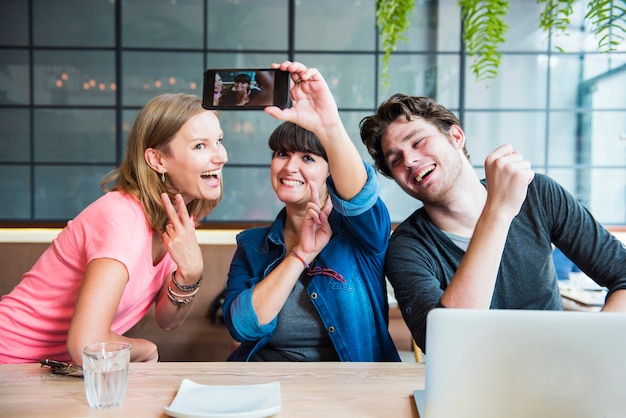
(181, 243)
(314, 108)
(508, 176)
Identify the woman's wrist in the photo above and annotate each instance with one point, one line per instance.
(180, 294)
(299, 257)
(180, 284)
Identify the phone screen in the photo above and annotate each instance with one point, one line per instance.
(245, 89)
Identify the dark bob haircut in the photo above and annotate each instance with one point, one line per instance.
(290, 137)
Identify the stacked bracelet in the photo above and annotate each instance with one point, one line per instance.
(184, 288)
(175, 297)
(178, 295)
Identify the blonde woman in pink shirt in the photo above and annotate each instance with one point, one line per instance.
(133, 247)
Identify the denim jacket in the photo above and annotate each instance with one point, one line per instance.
(354, 309)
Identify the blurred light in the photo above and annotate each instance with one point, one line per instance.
(172, 81)
(85, 86)
(92, 82)
(543, 59)
(59, 83)
(157, 84)
(102, 86)
(193, 85)
(113, 86)
(146, 86)
(64, 76)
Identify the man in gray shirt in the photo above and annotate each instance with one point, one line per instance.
(479, 243)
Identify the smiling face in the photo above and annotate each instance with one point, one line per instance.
(241, 86)
(292, 171)
(195, 158)
(217, 86)
(425, 162)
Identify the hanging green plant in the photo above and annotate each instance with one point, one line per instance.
(608, 22)
(484, 31)
(555, 17)
(393, 18)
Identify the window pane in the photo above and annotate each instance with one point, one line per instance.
(562, 133)
(521, 83)
(90, 139)
(14, 70)
(351, 120)
(249, 60)
(74, 78)
(580, 36)
(246, 134)
(524, 33)
(14, 135)
(74, 23)
(434, 27)
(434, 76)
(148, 74)
(608, 195)
(608, 138)
(14, 23)
(400, 204)
(15, 186)
(349, 76)
(565, 78)
(248, 195)
(485, 131)
(348, 25)
(162, 23)
(247, 24)
(61, 192)
(606, 199)
(608, 91)
(128, 119)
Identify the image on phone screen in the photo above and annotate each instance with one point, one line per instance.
(245, 89)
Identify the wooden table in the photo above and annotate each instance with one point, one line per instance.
(329, 389)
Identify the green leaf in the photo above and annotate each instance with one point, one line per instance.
(393, 18)
(484, 31)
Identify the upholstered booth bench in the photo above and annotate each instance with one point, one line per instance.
(199, 338)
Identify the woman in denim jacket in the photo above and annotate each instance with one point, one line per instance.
(310, 287)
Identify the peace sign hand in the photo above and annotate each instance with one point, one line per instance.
(316, 230)
(180, 240)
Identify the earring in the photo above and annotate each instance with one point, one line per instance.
(163, 177)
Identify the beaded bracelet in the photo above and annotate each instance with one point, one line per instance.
(185, 288)
(178, 295)
(295, 254)
(176, 301)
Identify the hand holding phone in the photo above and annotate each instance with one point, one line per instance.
(245, 89)
(314, 107)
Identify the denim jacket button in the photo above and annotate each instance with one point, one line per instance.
(313, 295)
(331, 329)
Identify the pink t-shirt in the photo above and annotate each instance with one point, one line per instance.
(35, 316)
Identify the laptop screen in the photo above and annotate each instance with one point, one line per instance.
(515, 363)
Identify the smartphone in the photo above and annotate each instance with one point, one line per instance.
(245, 89)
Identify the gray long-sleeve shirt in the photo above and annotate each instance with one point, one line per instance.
(421, 260)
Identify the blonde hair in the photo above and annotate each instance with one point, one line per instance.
(155, 127)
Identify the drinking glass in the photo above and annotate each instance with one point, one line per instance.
(105, 369)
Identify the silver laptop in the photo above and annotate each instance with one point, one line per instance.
(514, 363)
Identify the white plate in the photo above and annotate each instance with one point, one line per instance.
(194, 400)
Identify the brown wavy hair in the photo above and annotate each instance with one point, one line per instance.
(400, 105)
(155, 127)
